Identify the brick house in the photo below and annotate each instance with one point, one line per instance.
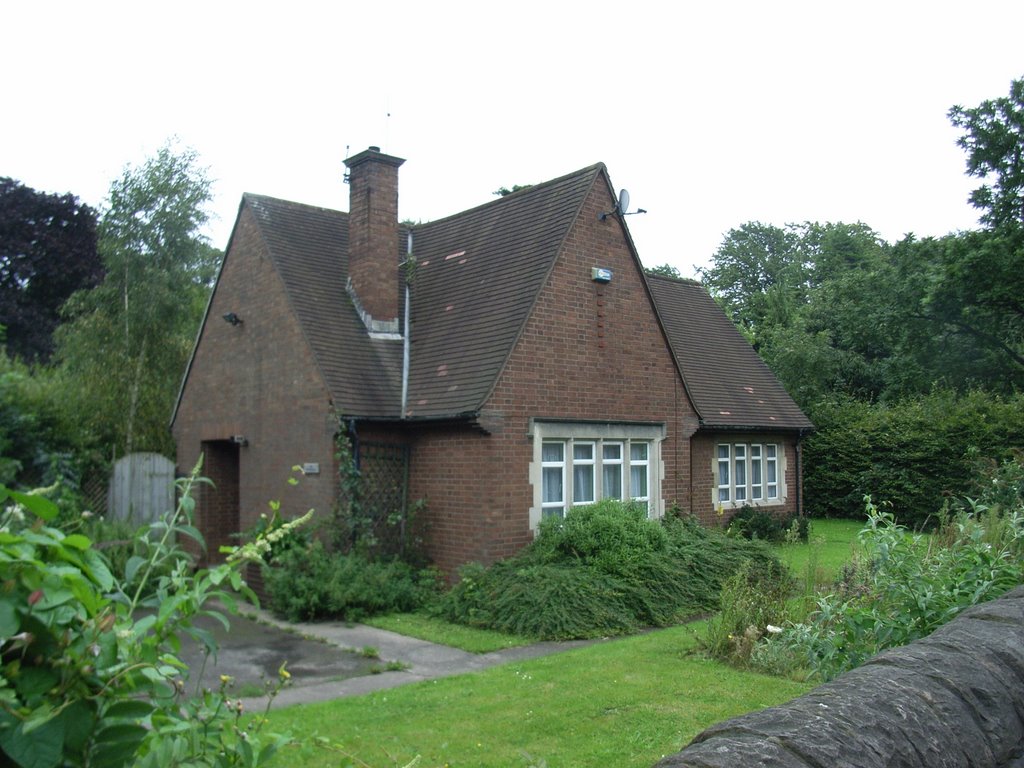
(501, 364)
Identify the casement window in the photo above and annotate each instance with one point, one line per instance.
(747, 473)
(580, 463)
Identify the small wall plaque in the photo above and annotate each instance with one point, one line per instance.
(311, 468)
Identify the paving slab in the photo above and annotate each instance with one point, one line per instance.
(326, 659)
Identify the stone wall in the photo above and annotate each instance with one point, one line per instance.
(954, 698)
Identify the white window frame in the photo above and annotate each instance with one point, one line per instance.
(616, 464)
(748, 473)
(598, 434)
(554, 507)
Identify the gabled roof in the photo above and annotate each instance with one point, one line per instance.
(477, 276)
(309, 248)
(729, 384)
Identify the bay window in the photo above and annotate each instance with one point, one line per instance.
(581, 463)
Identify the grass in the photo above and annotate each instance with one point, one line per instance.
(625, 702)
(435, 630)
(830, 545)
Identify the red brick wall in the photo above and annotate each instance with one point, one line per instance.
(589, 351)
(258, 380)
(373, 232)
(704, 454)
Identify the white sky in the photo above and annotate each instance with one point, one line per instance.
(711, 114)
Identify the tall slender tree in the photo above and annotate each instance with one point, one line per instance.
(128, 339)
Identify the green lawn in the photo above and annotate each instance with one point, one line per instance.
(622, 702)
(830, 545)
(437, 631)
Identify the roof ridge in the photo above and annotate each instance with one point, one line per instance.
(669, 278)
(254, 196)
(518, 194)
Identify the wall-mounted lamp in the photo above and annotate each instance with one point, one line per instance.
(241, 440)
(232, 318)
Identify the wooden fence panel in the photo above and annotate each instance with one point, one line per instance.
(141, 488)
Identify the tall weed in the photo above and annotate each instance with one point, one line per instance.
(905, 587)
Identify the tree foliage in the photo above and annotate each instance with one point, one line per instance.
(125, 345)
(47, 252)
(665, 270)
(994, 141)
(909, 357)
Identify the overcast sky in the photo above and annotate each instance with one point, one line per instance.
(711, 115)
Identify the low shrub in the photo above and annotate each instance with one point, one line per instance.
(751, 523)
(754, 603)
(308, 583)
(603, 570)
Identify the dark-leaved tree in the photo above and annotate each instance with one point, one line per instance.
(47, 252)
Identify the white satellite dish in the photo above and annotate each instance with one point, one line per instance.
(623, 200)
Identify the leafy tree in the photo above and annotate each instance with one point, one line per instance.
(125, 346)
(758, 274)
(505, 191)
(47, 252)
(665, 270)
(994, 140)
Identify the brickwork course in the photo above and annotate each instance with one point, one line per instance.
(510, 335)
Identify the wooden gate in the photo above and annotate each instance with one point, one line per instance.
(141, 488)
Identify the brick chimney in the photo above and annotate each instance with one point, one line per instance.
(373, 247)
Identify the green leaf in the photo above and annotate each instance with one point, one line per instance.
(78, 541)
(134, 563)
(42, 748)
(35, 681)
(98, 570)
(10, 622)
(79, 720)
(38, 505)
(132, 709)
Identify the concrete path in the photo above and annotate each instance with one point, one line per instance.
(424, 660)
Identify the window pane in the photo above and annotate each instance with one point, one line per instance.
(583, 452)
(612, 451)
(553, 491)
(638, 481)
(756, 487)
(552, 452)
(740, 463)
(724, 486)
(582, 483)
(771, 471)
(612, 479)
(638, 451)
(553, 512)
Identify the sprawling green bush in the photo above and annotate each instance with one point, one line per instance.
(603, 570)
(311, 582)
(913, 454)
